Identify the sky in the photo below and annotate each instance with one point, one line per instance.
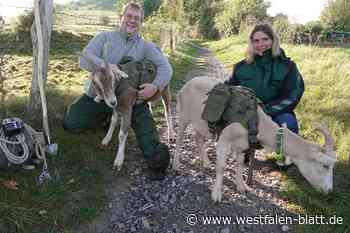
(300, 11)
(14, 7)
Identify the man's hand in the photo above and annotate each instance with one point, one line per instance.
(147, 90)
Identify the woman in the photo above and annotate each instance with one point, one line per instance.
(274, 78)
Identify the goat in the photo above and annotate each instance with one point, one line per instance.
(315, 162)
(105, 80)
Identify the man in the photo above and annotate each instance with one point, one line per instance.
(84, 112)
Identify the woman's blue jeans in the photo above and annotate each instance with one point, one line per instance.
(289, 119)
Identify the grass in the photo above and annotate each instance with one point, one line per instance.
(81, 170)
(326, 72)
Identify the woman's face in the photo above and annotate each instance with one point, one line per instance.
(261, 42)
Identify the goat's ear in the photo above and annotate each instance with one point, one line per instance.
(122, 73)
(115, 69)
(98, 99)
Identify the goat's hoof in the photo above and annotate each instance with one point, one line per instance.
(216, 196)
(105, 142)
(117, 168)
(171, 140)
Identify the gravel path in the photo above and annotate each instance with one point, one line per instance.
(181, 203)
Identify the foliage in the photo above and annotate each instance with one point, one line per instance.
(151, 6)
(336, 15)
(23, 22)
(236, 13)
(310, 33)
(119, 6)
(206, 23)
(314, 30)
(105, 20)
(283, 28)
(201, 14)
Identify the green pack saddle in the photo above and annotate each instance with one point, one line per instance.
(228, 104)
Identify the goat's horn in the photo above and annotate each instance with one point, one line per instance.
(329, 144)
(88, 60)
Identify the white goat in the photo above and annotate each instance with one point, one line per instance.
(105, 80)
(315, 162)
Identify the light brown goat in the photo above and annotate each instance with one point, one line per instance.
(315, 162)
(105, 79)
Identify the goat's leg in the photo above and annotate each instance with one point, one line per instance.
(179, 144)
(150, 107)
(240, 184)
(123, 134)
(200, 144)
(216, 193)
(166, 100)
(112, 125)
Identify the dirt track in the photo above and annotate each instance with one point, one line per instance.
(181, 203)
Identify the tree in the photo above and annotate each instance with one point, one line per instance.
(235, 13)
(201, 14)
(282, 27)
(336, 15)
(151, 6)
(314, 30)
(41, 44)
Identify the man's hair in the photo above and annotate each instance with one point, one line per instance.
(133, 5)
(266, 29)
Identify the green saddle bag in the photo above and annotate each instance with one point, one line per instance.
(228, 104)
(139, 72)
(215, 105)
(241, 107)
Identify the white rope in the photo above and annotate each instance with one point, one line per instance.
(37, 138)
(13, 158)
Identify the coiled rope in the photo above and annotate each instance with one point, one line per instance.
(18, 139)
(37, 138)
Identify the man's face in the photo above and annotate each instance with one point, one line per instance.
(131, 21)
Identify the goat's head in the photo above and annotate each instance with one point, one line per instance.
(318, 168)
(104, 80)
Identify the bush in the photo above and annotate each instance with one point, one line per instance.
(23, 22)
(105, 20)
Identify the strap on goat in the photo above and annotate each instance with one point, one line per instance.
(280, 144)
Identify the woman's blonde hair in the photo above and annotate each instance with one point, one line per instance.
(266, 29)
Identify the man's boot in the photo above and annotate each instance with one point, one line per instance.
(159, 162)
